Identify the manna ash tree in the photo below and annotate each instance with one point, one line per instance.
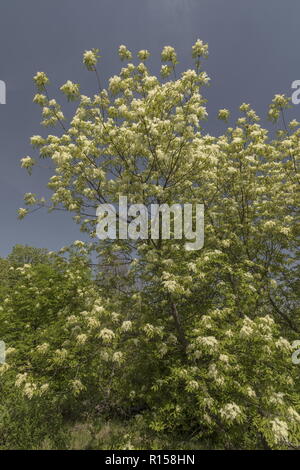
(199, 342)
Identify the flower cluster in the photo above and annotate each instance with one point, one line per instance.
(90, 58)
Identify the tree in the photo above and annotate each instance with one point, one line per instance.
(24, 254)
(209, 349)
(4, 269)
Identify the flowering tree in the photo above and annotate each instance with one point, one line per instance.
(205, 335)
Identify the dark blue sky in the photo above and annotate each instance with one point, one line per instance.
(254, 53)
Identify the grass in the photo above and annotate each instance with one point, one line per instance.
(132, 435)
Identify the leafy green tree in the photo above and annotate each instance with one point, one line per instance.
(33, 316)
(24, 254)
(4, 274)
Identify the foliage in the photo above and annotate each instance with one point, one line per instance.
(197, 342)
(23, 254)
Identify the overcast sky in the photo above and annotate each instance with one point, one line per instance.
(254, 53)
